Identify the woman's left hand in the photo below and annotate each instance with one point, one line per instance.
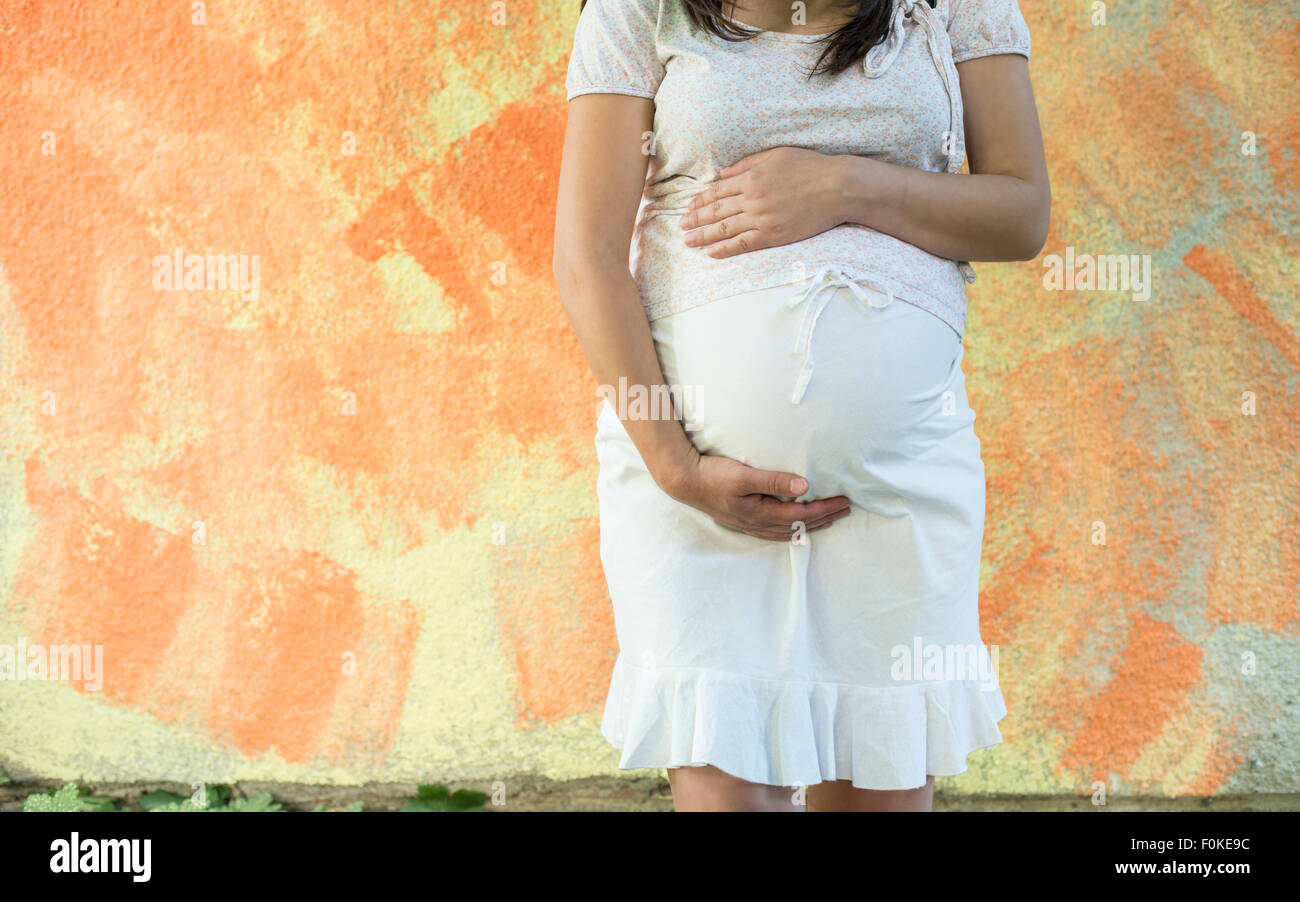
(773, 197)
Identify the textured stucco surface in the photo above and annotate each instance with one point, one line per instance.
(388, 455)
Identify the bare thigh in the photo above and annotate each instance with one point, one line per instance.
(706, 788)
(842, 795)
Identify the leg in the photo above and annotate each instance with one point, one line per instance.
(841, 795)
(708, 789)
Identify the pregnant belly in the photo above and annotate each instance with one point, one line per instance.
(883, 420)
(883, 411)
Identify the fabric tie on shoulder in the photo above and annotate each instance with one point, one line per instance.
(908, 13)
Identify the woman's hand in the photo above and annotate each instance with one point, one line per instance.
(773, 197)
(748, 500)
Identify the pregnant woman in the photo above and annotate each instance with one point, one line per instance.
(760, 216)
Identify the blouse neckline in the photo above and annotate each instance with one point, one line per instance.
(778, 35)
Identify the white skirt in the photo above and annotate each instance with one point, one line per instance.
(850, 653)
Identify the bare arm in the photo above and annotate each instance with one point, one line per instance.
(998, 212)
(601, 177)
(602, 174)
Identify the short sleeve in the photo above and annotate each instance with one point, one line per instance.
(986, 28)
(614, 50)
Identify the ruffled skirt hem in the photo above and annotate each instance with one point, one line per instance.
(789, 733)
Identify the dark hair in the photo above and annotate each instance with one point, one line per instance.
(844, 46)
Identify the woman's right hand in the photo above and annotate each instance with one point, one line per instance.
(749, 500)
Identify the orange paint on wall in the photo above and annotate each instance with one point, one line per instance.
(192, 406)
(1217, 268)
(291, 619)
(550, 584)
(93, 575)
(1152, 676)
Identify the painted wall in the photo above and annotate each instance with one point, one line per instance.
(344, 529)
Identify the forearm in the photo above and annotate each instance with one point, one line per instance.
(957, 217)
(604, 308)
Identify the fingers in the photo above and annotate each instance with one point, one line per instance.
(770, 535)
(725, 187)
(792, 533)
(720, 231)
(756, 507)
(752, 480)
(763, 521)
(774, 512)
(702, 214)
(752, 240)
(823, 522)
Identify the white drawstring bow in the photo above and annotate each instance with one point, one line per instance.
(827, 277)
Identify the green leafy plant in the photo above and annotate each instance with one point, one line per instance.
(435, 797)
(69, 797)
(216, 798)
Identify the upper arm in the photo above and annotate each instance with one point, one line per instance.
(602, 174)
(991, 47)
(613, 75)
(1002, 131)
